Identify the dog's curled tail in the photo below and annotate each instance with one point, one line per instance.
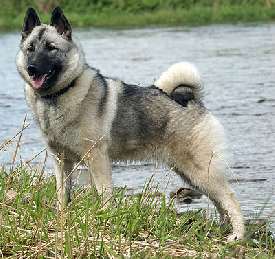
(182, 82)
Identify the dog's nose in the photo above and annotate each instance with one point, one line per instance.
(32, 70)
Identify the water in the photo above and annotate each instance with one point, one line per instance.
(237, 66)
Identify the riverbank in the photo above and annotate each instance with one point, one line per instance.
(144, 225)
(121, 16)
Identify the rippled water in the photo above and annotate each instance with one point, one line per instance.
(238, 67)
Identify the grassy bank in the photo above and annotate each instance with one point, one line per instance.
(136, 13)
(140, 226)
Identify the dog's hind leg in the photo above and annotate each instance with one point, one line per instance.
(219, 192)
(202, 165)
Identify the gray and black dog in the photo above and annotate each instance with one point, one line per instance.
(85, 116)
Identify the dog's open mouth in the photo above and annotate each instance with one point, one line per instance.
(38, 81)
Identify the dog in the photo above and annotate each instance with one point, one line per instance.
(88, 118)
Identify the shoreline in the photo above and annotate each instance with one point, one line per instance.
(117, 19)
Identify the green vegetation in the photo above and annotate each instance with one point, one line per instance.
(140, 226)
(131, 13)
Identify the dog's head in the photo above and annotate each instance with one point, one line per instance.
(48, 58)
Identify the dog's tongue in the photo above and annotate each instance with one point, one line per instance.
(38, 82)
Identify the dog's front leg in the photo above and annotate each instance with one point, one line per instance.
(101, 173)
(63, 173)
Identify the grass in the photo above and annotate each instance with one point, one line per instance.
(140, 15)
(139, 226)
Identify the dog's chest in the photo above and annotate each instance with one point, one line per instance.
(58, 124)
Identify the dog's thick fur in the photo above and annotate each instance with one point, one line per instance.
(84, 115)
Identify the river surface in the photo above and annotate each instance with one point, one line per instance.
(237, 64)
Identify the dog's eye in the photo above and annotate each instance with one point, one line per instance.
(31, 48)
(51, 47)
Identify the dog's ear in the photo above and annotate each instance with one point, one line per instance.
(31, 20)
(60, 22)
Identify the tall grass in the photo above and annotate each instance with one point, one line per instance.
(113, 13)
(140, 226)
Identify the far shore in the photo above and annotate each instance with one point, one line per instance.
(194, 16)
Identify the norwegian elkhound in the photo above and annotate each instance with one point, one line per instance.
(87, 117)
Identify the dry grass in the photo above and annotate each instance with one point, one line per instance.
(138, 226)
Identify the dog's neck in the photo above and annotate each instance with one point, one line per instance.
(60, 92)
